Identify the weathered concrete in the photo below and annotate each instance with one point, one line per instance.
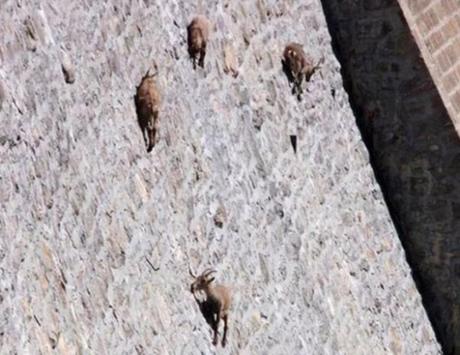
(305, 239)
(413, 145)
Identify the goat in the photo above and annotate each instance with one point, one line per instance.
(198, 35)
(148, 101)
(216, 304)
(297, 66)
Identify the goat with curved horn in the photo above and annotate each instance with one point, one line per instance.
(216, 304)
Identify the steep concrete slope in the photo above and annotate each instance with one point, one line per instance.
(306, 240)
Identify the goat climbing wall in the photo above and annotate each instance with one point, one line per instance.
(305, 240)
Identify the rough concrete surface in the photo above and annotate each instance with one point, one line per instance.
(304, 239)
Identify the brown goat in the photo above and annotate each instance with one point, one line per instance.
(216, 304)
(148, 101)
(198, 35)
(297, 66)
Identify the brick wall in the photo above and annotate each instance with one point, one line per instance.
(435, 25)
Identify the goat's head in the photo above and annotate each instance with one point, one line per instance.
(291, 53)
(202, 281)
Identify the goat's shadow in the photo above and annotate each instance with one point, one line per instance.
(207, 309)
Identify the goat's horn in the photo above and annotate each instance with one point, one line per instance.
(191, 272)
(208, 272)
(154, 66)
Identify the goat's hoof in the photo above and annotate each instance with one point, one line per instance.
(224, 343)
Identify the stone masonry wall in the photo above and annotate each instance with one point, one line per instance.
(304, 239)
(414, 147)
(435, 25)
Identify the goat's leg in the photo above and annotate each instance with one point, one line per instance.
(151, 140)
(295, 87)
(224, 339)
(152, 132)
(299, 88)
(293, 83)
(202, 55)
(216, 329)
(145, 136)
(300, 84)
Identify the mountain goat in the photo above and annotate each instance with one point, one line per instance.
(297, 66)
(198, 35)
(216, 305)
(147, 102)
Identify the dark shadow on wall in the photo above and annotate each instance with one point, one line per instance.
(413, 146)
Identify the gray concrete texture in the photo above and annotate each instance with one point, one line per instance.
(304, 240)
